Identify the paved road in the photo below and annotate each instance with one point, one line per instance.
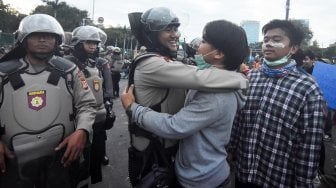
(115, 174)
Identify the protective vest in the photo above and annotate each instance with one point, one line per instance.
(36, 108)
(117, 65)
(95, 83)
(94, 79)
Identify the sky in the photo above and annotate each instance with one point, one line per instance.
(194, 14)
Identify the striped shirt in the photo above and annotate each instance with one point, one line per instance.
(276, 138)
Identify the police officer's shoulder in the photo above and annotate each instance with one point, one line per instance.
(10, 66)
(145, 55)
(62, 64)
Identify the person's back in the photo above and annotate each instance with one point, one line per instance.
(277, 136)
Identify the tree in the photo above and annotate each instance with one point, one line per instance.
(69, 17)
(9, 18)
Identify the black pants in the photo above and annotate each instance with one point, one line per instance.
(98, 152)
(115, 80)
(44, 172)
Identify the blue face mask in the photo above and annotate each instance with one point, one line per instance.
(200, 62)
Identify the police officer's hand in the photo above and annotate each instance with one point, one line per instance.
(4, 152)
(127, 97)
(74, 144)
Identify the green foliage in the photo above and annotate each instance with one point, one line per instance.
(9, 18)
(69, 17)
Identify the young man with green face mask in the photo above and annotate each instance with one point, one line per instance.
(277, 136)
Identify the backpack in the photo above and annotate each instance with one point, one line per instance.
(152, 167)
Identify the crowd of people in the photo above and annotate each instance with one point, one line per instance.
(195, 120)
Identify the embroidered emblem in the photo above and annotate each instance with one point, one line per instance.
(37, 99)
(82, 80)
(96, 85)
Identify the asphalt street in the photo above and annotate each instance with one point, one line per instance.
(115, 173)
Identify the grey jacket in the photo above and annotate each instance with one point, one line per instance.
(204, 127)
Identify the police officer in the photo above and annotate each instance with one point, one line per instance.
(116, 67)
(47, 110)
(85, 40)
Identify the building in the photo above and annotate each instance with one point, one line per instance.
(252, 29)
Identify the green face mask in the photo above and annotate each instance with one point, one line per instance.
(200, 62)
(276, 62)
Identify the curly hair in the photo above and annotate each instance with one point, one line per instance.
(293, 32)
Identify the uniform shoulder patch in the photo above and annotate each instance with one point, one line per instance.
(82, 80)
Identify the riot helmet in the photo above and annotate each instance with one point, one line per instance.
(39, 23)
(195, 43)
(86, 33)
(116, 50)
(158, 18)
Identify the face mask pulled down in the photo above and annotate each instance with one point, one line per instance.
(280, 61)
(200, 62)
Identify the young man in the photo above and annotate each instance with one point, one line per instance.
(309, 61)
(276, 138)
(42, 98)
(204, 123)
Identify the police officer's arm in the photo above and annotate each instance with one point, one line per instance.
(4, 152)
(85, 103)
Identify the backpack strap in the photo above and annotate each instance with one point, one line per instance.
(135, 63)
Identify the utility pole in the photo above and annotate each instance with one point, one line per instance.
(93, 9)
(287, 8)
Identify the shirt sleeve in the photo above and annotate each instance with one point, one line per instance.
(157, 72)
(311, 133)
(84, 101)
(199, 113)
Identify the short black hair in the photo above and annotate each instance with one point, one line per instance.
(293, 32)
(298, 57)
(310, 54)
(230, 39)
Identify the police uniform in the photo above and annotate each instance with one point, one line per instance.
(41, 105)
(101, 86)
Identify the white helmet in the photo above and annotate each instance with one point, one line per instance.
(39, 23)
(116, 50)
(87, 32)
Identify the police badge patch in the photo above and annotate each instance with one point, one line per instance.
(96, 85)
(37, 99)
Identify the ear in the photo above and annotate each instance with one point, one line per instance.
(219, 55)
(294, 49)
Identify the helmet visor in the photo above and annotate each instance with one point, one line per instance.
(159, 18)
